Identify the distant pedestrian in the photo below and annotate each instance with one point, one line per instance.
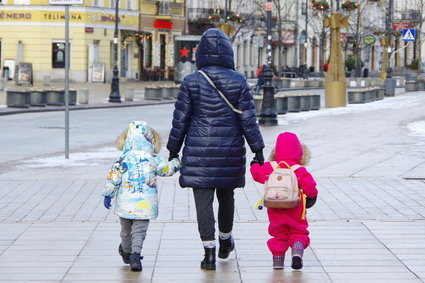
(288, 226)
(132, 180)
(260, 79)
(214, 134)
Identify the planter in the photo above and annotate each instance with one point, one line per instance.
(370, 95)
(19, 99)
(305, 102)
(357, 96)
(38, 98)
(258, 101)
(380, 93)
(57, 97)
(166, 92)
(153, 93)
(294, 103)
(315, 102)
(175, 91)
(281, 103)
(421, 86)
(411, 86)
(282, 83)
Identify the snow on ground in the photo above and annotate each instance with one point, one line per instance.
(417, 128)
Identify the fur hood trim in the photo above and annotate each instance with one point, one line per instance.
(305, 159)
(120, 142)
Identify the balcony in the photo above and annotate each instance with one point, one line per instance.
(166, 9)
(196, 15)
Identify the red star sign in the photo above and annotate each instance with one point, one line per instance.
(184, 52)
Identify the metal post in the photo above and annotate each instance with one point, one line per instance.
(337, 5)
(389, 28)
(67, 56)
(115, 85)
(389, 82)
(268, 114)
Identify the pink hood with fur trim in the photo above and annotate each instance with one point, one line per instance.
(288, 148)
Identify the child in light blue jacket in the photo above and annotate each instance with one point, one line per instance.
(132, 180)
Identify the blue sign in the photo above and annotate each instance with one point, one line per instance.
(409, 34)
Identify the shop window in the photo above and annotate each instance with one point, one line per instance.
(95, 3)
(58, 54)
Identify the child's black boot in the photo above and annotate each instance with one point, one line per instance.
(209, 259)
(135, 263)
(297, 255)
(226, 246)
(125, 256)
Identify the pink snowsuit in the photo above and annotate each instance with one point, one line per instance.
(286, 225)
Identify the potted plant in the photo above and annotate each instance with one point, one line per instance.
(214, 17)
(236, 18)
(349, 6)
(321, 5)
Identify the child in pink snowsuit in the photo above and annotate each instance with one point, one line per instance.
(288, 227)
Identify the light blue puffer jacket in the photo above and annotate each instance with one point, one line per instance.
(133, 178)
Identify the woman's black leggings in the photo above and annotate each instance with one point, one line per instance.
(204, 199)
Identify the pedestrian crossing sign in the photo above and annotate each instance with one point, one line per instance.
(409, 34)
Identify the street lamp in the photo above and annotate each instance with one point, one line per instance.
(115, 85)
(268, 114)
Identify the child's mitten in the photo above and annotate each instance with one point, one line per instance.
(107, 202)
(309, 202)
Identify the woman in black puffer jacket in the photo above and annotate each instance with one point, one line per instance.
(214, 152)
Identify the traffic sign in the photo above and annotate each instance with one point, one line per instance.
(66, 2)
(343, 37)
(409, 34)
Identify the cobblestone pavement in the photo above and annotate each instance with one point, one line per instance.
(367, 226)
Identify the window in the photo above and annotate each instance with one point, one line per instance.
(58, 54)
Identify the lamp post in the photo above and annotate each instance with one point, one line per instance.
(115, 85)
(268, 114)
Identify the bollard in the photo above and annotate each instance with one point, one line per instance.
(83, 96)
(46, 80)
(2, 83)
(129, 94)
(389, 87)
(258, 101)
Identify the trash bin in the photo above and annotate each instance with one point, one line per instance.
(365, 72)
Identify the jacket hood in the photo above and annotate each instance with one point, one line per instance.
(139, 136)
(288, 147)
(214, 49)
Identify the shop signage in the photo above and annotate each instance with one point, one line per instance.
(24, 73)
(163, 24)
(369, 39)
(401, 25)
(184, 52)
(88, 30)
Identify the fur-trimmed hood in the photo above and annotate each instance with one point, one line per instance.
(288, 147)
(139, 136)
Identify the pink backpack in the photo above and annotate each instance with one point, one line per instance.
(281, 189)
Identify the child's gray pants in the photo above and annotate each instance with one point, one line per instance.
(133, 233)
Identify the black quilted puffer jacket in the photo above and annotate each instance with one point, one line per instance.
(214, 151)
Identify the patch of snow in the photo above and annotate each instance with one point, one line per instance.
(417, 128)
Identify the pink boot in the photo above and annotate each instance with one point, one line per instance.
(297, 255)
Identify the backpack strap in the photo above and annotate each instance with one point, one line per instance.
(293, 167)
